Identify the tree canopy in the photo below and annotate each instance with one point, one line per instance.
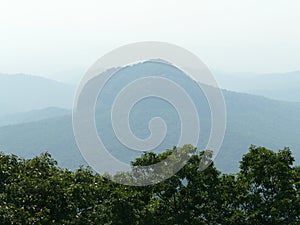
(265, 191)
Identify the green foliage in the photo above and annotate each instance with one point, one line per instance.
(265, 191)
(269, 183)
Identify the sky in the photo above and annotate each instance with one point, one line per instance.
(60, 39)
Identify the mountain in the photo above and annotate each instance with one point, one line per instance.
(260, 121)
(20, 93)
(33, 115)
(280, 86)
(251, 119)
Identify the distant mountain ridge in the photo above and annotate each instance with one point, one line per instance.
(251, 120)
(280, 86)
(32, 116)
(20, 93)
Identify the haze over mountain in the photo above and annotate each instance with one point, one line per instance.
(20, 93)
(251, 120)
(23, 93)
(281, 86)
(33, 115)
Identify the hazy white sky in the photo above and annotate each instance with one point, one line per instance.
(47, 37)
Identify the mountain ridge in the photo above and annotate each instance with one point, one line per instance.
(251, 119)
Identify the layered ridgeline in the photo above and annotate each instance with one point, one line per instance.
(279, 86)
(20, 93)
(250, 120)
(32, 115)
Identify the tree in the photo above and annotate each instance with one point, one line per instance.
(265, 191)
(268, 187)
